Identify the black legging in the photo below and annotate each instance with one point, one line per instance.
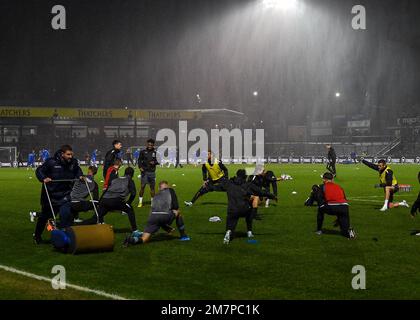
(331, 167)
(233, 218)
(107, 205)
(211, 186)
(343, 217)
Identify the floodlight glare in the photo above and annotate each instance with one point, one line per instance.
(338, 94)
(280, 4)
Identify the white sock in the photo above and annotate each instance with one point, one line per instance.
(151, 200)
(386, 203)
(267, 202)
(141, 199)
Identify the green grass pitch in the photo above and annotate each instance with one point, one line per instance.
(289, 261)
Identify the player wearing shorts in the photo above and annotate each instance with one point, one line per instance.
(147, 163)
(165, 210)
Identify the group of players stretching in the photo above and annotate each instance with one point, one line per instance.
(68, 192)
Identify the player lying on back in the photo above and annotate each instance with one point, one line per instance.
(389, 182)
(214, 173)
(165, 210)
(331, 200)
(239, 193)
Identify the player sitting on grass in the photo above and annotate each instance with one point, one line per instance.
(214, 173)
(331, 200)
(416, 204)
(239, 193)
(165, 210)
(389, 182)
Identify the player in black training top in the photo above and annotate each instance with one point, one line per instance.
(332, 160)
(147, 163)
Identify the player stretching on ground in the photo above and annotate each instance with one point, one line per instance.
(239, 193)
(265, 180)
(331, 200)
(115, 199)
(165, 210)
(389, 182)
(214, 172)
(147, 163)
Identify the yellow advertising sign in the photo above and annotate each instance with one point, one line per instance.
(85, 113)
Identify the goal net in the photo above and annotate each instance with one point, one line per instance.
(8, 156)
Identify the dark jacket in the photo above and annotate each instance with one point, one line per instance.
(316, 196)
(265, 181)
(148, 160)
(332, 155)
(239, 192)
(110, 157)
(56, 168)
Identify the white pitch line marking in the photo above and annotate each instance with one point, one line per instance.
(72, 286)
(364, 200)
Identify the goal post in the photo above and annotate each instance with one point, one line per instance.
(8, 156)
